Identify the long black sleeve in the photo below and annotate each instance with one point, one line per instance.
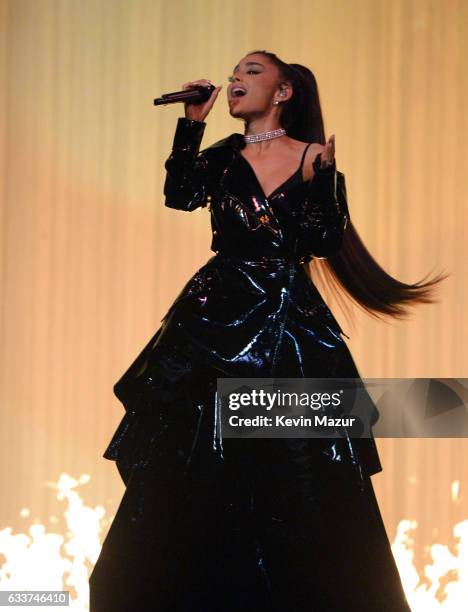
(185, 187)
(321, 218)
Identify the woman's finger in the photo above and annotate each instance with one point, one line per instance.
(328, 153)
(214, 95)
(199, 82)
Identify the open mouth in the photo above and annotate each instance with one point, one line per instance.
(237, 92)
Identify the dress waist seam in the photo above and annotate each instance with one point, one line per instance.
(285, 259)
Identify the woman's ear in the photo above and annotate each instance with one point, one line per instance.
(285, 91)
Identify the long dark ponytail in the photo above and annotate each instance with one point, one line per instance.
(353, 270)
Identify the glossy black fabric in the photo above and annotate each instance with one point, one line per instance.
(260, 538)
(232, 524)
(251, 310)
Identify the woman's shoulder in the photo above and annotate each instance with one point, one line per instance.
(313, 149)
(233, 140)
(311, 146)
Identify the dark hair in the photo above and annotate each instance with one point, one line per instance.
(352, 270)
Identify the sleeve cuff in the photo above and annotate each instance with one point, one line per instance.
(188, 134)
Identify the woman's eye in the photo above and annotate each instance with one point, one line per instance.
(231, 78)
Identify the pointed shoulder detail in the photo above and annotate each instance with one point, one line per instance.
(235, 141)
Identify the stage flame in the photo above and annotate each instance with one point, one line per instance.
(50, 561)
(430, 596)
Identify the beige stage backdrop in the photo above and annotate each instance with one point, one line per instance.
(91, 259)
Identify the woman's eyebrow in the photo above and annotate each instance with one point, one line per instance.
(249, 64)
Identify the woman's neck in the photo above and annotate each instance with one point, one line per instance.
(259, 126)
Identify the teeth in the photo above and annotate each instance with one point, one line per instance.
(238, 91)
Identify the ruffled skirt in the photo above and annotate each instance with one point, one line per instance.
(273, 527)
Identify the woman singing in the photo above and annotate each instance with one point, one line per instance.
(252, 524)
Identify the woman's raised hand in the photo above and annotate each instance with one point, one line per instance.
(328, 152)
(198, 112)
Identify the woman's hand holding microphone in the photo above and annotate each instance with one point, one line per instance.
(198, 112)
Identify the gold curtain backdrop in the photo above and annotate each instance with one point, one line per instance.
(91, 259)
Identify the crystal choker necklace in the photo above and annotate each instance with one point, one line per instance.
(264, 135)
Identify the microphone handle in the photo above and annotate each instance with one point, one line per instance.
(196, 95)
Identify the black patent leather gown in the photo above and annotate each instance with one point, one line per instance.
(256, 525)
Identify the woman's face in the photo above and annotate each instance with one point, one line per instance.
(260, 80)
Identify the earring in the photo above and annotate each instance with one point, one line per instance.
(281, 93)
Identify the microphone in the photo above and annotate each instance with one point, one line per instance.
(196, 95)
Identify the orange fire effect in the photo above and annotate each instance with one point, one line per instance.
(52, 561)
